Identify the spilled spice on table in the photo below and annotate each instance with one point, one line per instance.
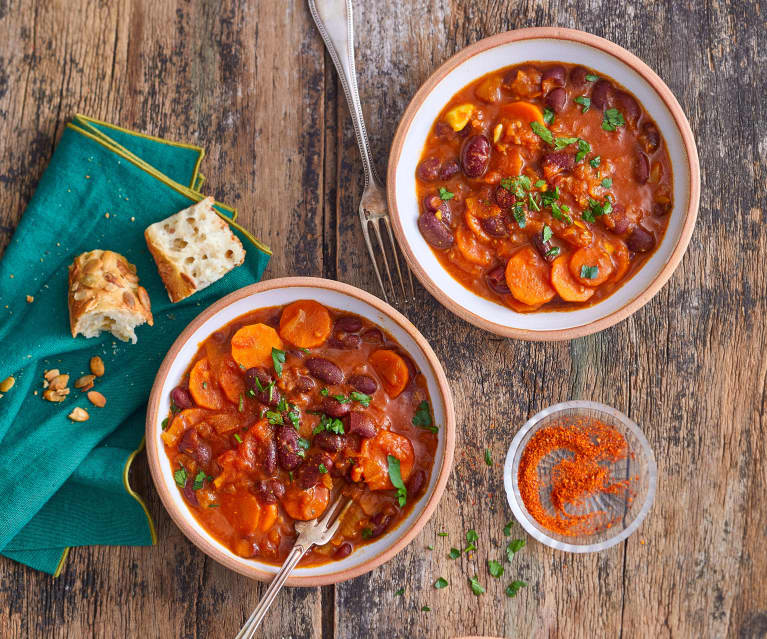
(584, 473)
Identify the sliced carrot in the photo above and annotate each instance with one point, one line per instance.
(305, 323)
(620, 254)
(373, 461)
(482, 208)
(226, 422)
(475, 227)
(518, 306)
(392, 370)
(204, 387)
(181, 422)
(252, 345)
(522, 111)
(230, 378)
(568, 288)
(528, 277)
(591, 266)
(471, 250)
(305, 504)
(230, 471)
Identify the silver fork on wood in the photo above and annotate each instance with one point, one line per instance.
(314, 532)
(335, 22)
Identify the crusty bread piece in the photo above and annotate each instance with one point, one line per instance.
(104, 295)
(193, 249)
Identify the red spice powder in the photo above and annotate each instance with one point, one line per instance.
(584, 472)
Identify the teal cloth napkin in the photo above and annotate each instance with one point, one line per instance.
(65, 483)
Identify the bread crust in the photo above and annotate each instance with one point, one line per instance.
(177, 283)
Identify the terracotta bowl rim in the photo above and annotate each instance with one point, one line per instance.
(678, 116)
(186, 522)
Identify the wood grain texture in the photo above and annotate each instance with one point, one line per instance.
(250, 81)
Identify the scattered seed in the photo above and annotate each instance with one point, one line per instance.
(7, 384)
(97, 399)
(49, 375)
(59, 382)
(30, 299)
(54, 396)
(84, 381)
(79, 414)
(97, 366)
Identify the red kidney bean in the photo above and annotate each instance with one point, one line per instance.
(660, 209)
(269, 458)
(180, 397)
(649, 137)
(640, 241)
(555, 76)
(543, 247)
(305, 384)
(628, 106)
(325, 370)
(380, 522)
(561, 159)
(192, 444)
(443, 129)
(364, 384)
(578, 76)
(415, 484)
(556, 99)
(601, 94)
(503, 197)
(348, 324)
(432, 203)
(372, 336)
(449, 169)
(344, 550)
(287, 447)
(309, 473)
(329, 441)
(347, 342)
(447, 213)
(495, 226)
(475, 156)
(357, 422)
(267, 397)
(189, 493)
(496, 280)
(269, 491)
(294, 353)
(428, 170)
(434, 231)
(219, 337)
(622, 224)
(332, 407)
(641, 168)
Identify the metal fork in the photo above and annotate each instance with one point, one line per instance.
(335, 22)
(310, 533)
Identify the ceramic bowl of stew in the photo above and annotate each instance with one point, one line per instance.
(543, 184)
(278, 397)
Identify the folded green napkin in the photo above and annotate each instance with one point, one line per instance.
(65, 483)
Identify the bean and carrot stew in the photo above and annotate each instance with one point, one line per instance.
(544, 186)
(285, 406)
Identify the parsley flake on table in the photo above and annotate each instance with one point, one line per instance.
(584, 102)
(495, 568)
(472, 536)
(515, 545)
(488, 458)
(612, 119)
(476, 588)
(399, 592)
(278, 359)
(425, 609)
(441, 534)
(440, 583)
(507, 528)
(180, 477)
(444, 194)
(360, 398)
(454, 553)
(513, 588)
(199, 480)
(546, 233)
(430, 547)
(396, 479)
(422, 417)
(542, 132)
(590, 77)
(548, 115)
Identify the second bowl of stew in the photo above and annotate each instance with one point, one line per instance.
(543, 183)
(284, 395)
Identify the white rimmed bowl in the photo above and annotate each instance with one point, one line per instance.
(515, 47)
(275, 293)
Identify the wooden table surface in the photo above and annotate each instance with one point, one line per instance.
(251, 82)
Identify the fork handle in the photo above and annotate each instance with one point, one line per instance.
(335, 22)
(254, 621)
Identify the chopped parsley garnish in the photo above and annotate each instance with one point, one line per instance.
(367, 533)
(513, 588)
(560, 212)
(278, 359)
(180, 477)
(589, 272)
(444, 194)
(507, 528)
(173, 408)
(607, 183)
(562, 143)
(241, 405)
(454, 553)
(584, 102)
(440, 583)
(495, 568)
(332, 424)
(546, 233)
(596, 161)
(360, 398)
(519, 215)
(341, 399)
(515, 545)
(533, 202)
(251, 392)
(164, 423)
(275, 418)
(540, 183)
(237, 438)
(612, 119)
(550, 196)
(583, 149)
(422, 417)
(305, 350)
(542, 132)
(590, 77)
(548, 115)
(553, 251)
(294, 416)
(399, 592)
(476, 588)
(304, 443)
(396, 479)
(518, 185)
(205, 385)
(488, 458)
(596, 209)
(324, 392)
(212, 505)
(199, 480)
(322, 468)
(282, 405)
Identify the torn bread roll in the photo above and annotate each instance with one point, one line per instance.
(104, 295)
(193, 249)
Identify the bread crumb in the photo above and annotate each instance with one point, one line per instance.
(30, 299)
(87, 177)
(12, 276)
(106, 215)
(133, 219)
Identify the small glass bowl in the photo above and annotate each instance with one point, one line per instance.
(639, 464)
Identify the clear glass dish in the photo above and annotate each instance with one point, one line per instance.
(639, 465)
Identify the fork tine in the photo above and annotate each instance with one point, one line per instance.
(377, 228)
(366, 235)
(396, 262)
